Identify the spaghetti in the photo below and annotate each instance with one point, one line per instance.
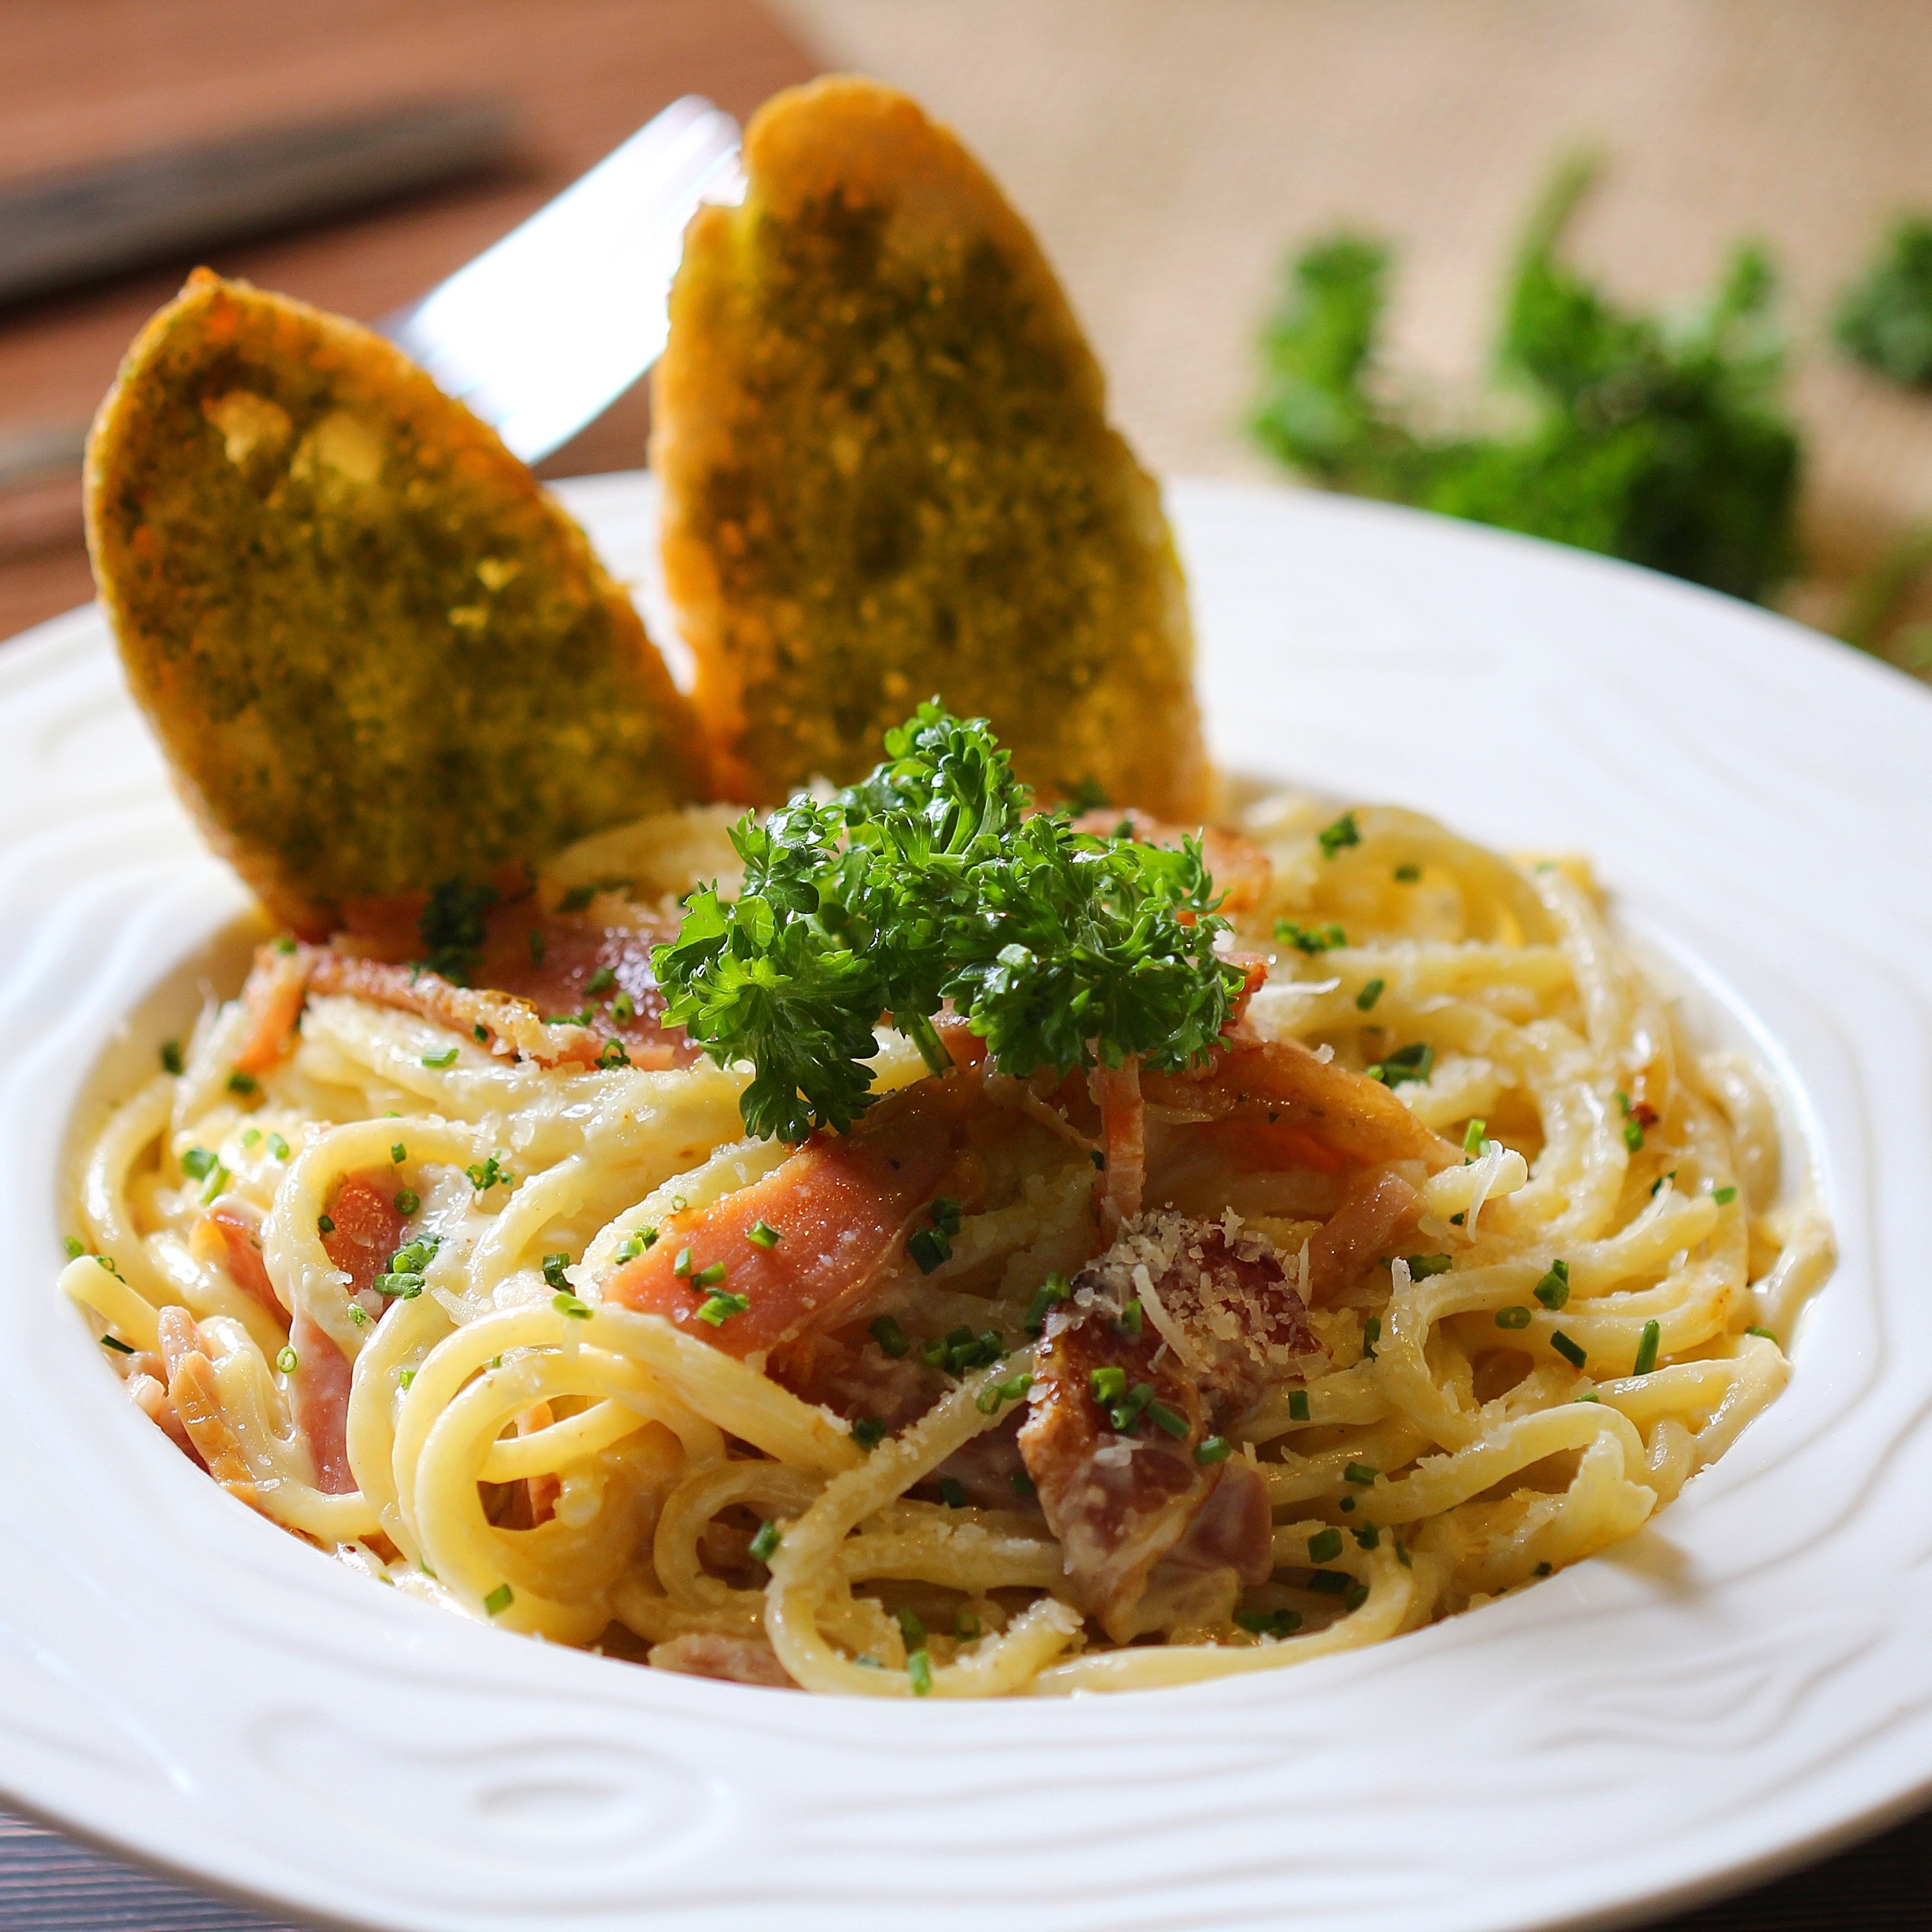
(1451, 1267)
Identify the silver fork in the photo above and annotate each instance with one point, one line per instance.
(547, 327)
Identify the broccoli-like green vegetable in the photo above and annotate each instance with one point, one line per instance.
(1665, 446)
(1885, 318)
(930, 880)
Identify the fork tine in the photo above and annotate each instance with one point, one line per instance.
(541, 331)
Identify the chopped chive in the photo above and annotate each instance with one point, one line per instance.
(171, 1056)
(121, 1348)
(1330, 1582)
(1372, 990)
(75, 1248)
(481, 1033)
(499, 1600)
(1133, 1319)
(407, 1201)
(1212, 1449)
(1553, 1290)
(1402, 1555)
(1359, 1472)
(1633, 1135)
(1344, 832)
(762, 1235)
(992, 1397)
(868, 1432)
(398, 1154)
(407, 1376)
(1765, 1333)
(601, 981)
(565, 1303)
(1415, 1062)
(965, 1624)
(1516, 1317)
(1108, 1384)
(623, 1009)
(679, 1203)
(613, 1056)
(486, 1174)
(1354, 1596)
(198, 1163)
(1324, 1544)
(764, 1545)
(324, 1225)
(719, 1307)
(1421, 1266)
(1309, 939)
(912, 1629)
(107, 1262)
(1054, 1289)
(1646, 1349)
(1570, 1352)
(709, 1277)
(447, 1057)
(1472, 1137)
(681, 1266)
(1368, 1537)
(890, 1337)
(919, 1672)
(1656, 1186)
(1269, 1623)
(539, 946)
(553, 1266)
(952, 1492)
(576, 898)
(930, 1249)
(218, 1178)
(1165, 1419)
(1347, 1505)
(634, 1244)
(1297, 1405)
(1407, 875)
(1024, 1485)
(1541, 1570)
(1724, 1196)
(1099, 1160)
(1371, 1333)
(1588, 1395)
(1125, 1415)
(253, 1134)
(278, 1147)
(1457, 1220)
(244, 1084)
(288, 1361)
(945, 1214)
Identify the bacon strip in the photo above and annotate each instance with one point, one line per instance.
(232, 1240)
(730, 1660)
(1117, 1186)
(843, 1205)
(197, 1403)
(1378, 1207)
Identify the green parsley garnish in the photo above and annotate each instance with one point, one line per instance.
(1371, 992)
(499, 1600)
(1553, 1290)
(447, 1057)
(764, 1545)
(1324, 1544)
(172, 1061)
(1344, 832)
(1647, 1348)
(928, 882)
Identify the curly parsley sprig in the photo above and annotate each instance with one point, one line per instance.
(928, 882)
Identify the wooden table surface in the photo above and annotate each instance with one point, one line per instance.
(80, 81)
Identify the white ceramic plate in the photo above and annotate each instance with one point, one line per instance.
(1742, 1686)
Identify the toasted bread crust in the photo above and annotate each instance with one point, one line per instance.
(888, 473)
(377, 654)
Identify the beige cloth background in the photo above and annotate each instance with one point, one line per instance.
(1169, 150)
